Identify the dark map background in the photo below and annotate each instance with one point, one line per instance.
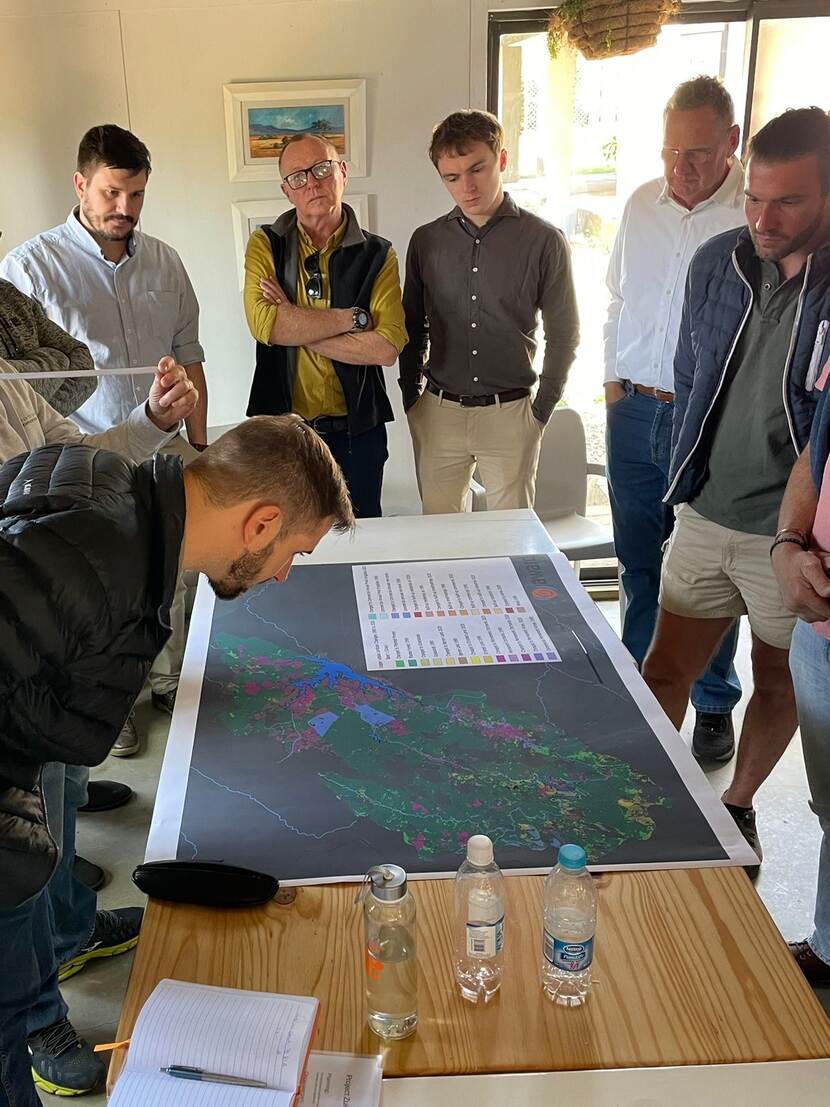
(255, 799)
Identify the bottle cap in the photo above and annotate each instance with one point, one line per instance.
(479, 850)
(572, 857)
(388, 882)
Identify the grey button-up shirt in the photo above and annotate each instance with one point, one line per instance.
(129, 313)
(473, 296)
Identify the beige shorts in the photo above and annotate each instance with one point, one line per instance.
(712, 572)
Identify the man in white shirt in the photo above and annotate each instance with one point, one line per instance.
(664, 222)
(128, 298)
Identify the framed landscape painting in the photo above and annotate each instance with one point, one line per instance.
(248, 215)
(261, 117)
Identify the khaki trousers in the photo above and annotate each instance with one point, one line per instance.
(449, 441)
(167, 667)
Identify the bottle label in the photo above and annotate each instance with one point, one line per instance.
(485, 941)
(570, 956)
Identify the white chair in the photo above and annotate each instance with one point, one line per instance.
(562, 490)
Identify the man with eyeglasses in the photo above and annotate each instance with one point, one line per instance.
(323, 301)
(663, 224)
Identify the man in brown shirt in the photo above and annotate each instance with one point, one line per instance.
(477, 280)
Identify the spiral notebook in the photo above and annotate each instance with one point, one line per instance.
(248, 1035)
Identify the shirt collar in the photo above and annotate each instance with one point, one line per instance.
(726, 195)
(332, 242)
(508, 208)
(87, 243)
(285, 224)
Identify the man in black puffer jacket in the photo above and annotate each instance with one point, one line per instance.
(90, 548)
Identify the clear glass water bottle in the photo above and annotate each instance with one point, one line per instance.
(570, 923)
(479, 922)
(389, 954)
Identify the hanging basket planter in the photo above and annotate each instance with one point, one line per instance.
(608, 28)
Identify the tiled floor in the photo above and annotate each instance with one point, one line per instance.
(788, 830)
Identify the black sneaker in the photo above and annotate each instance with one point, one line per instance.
(63, 1063)
(816, 971)
(164, 701)
(105, 795)
(115, 932)
(745, 821)
(89, 873)
(713, 738)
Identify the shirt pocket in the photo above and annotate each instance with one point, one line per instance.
(161, 316)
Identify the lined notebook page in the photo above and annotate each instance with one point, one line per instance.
(149, 1089)
(238, 1033)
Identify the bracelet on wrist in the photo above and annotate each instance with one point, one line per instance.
(786, 537)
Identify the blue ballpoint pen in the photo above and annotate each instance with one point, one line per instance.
(185, 1072)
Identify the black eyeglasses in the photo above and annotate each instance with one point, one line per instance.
(319, 171)
(314, 284)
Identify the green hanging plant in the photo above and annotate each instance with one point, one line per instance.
(607, 28)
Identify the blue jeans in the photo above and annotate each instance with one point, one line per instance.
(28, 966)
(638, 447)
(810, 667)
(362, 458)
(69, 918)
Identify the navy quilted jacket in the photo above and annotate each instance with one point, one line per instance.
(716, 309)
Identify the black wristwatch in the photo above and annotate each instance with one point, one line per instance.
(360, 319)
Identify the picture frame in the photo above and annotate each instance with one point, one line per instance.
(248, 215)
(259, 116)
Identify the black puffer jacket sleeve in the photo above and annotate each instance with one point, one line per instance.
(84, 573)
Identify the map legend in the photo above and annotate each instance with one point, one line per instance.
(434, 614)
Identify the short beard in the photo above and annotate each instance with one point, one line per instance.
(106, 235)
(242, 574)
(788, 246)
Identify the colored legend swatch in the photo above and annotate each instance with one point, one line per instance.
(471, 612)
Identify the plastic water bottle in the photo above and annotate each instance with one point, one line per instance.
(570, 923)
(479, 922)
(389, 955)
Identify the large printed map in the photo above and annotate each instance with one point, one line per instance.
(306, 765)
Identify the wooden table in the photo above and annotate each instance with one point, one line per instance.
(689, 967)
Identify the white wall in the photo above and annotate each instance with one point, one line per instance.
(158, 69)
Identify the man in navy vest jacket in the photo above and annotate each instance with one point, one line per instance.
(323, 301)
(753, 337)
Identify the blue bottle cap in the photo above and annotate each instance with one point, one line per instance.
(572, 857)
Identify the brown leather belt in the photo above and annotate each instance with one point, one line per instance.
(479, 401)
(655, 393)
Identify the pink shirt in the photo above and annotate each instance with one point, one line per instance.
(821, 532)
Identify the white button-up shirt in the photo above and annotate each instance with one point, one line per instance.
(131, 312)
(655, 244)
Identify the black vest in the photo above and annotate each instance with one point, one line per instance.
(353, 270)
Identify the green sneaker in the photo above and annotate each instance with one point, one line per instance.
(115, 932)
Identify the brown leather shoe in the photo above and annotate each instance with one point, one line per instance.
(815, 970)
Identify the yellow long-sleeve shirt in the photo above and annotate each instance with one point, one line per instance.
(317, 389)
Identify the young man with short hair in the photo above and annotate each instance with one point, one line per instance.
(753, 337)
(323, 301)
(90, 550)
(477, 281)
(700, 194)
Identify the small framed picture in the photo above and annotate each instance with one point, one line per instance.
(249, 215)
(260, 117)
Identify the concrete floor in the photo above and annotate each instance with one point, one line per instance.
(789, 833)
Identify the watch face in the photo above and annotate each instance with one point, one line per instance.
(362, 319)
